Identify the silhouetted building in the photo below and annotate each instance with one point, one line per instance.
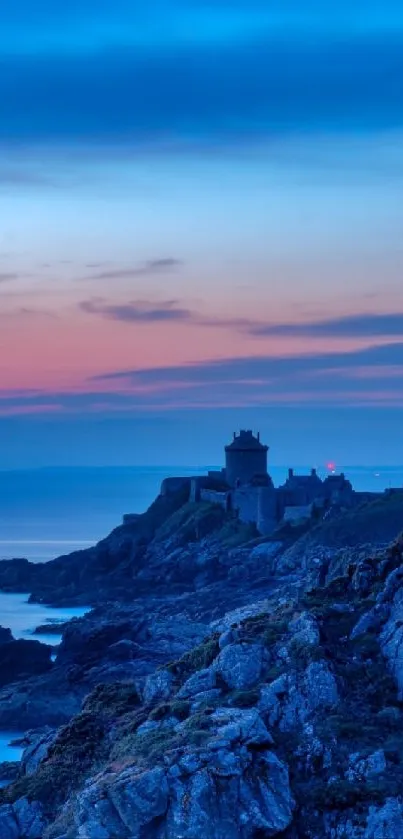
(245, 460)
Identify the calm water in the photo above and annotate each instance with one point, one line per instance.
(8, 752)
(48, 512)
(23, 617)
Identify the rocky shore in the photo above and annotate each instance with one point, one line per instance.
(223, 685)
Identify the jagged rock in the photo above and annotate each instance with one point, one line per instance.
(305, 630)
(202, 680)
(391, 638)
(204, 698)
(243, 725)
(158, 686)
(30, 818)
(366, 767)
(9, 828)
(292, 699)
(38, 745)
(371, 621)
(181, 799)
(230, 636)
(22, 820)
(240, 665)
(125, 807)
(385, 822)
(234, 618)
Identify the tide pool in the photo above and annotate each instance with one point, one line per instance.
(23, 617)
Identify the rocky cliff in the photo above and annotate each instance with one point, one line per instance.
(241, 689)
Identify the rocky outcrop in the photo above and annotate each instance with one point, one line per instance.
(233, 787)
(240, 665)
(234, 691)
(293, 698)
(22, 820)
(5, 636)
(21, 659)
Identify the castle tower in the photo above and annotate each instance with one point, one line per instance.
(245, 459)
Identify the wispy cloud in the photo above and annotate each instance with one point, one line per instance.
(355, 326)
(6, 277)
(139, 311)
(389, 324)
(371, 376)
(264, 368)
(147, 269)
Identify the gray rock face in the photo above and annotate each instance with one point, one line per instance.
(158, 686)
(391, 638)
(37, 749)
(22, 820)
(230, 636)
(235, 617)
(292, 699)
(385, 822)
(366, 767)
(305, 630)
(125, 807)
(244, 725)
(223, 790)
(240, 665)
(201, 681)
(9, 828)
(372, 621)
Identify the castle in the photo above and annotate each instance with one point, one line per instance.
(245, 487)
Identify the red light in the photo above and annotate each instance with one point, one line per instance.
(331, 466)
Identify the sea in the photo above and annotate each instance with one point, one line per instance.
(45, 513)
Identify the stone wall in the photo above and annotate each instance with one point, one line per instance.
(256, 505)
(223, 499)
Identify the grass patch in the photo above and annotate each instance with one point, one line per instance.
(112, 700)
(244, 698)
(78, 749)
(197, 659)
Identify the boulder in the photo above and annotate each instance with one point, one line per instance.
(385, 822)
(293, 699)
(127, 806)
(202, 680)
(305, 630)
(240, 665)
(9, 828)
(244, 725)
(234, 618)
(179, 799)
(22, 820)
(366, 767)
(37, 748)
(158, 687)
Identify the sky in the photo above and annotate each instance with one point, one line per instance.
(200, 229)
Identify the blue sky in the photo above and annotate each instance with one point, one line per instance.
(201, 218)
